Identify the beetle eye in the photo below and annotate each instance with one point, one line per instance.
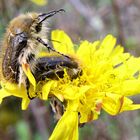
(38, 27)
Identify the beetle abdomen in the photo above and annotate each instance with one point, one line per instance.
(53, 67)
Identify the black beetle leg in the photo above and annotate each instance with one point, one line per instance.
(27, 88)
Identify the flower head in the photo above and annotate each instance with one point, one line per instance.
(109, 77)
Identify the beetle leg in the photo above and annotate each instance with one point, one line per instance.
(27, 88)
(57, 107)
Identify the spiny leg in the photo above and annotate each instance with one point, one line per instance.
(50, 48)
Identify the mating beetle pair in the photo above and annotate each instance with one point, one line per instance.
(25, 37)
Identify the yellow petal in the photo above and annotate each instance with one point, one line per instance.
(87, 115)
(118, 56)
(128, 68)
(9, 89)
(68, 124)
(3, 94)
(130, 87)
(62, 42)
(128, 105)
(113, 103)
(107, 45)
(67, 127)
(87, 56)
(14, 89)
(46, 89)
(73, 92)
(30, 76)
(25, 103)
(40, 2)
(131, 107)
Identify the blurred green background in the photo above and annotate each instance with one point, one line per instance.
(83, 19)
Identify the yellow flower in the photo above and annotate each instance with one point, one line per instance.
(109, 77)
(40, 2)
